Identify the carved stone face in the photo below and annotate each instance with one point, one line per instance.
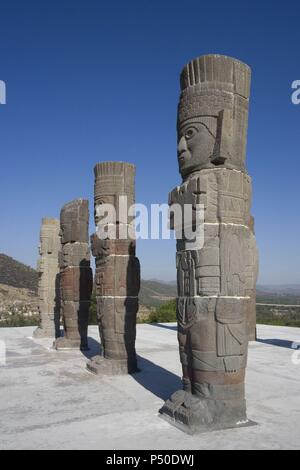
(46, 240)
(49, 237)
(195, 146)
(74, 218)
(101, 200)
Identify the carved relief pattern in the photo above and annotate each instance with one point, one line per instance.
(216, 283)
(76, 277)
(117, 277)
(48, 285)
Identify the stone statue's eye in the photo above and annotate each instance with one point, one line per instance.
(189, 133)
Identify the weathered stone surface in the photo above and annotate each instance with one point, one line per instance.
(75, 254)
(117, 327)
(74, 222)
(117, 278)
(216, 281)
(103, 248)
(214, 105)
(251, 313)
(48, 289)
(237, 260)
(114, 184)
(76, 276)
(225, 195)
(118, 275)
(49, 237)
(251, 316)
(194, 414)
(75, 321)
(76, 284)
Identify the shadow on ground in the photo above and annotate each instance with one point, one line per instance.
(94, 348)
(168, 327)
(281, 343)
(156, 379)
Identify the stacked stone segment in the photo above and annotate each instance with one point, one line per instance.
(76, 277)
(117, 278)
(48, 286)
(215, 281)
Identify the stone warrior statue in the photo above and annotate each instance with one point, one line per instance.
(117, 279)
(48, 288)
(76, 277)
(216, 282)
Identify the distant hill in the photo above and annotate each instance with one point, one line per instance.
(278, 294)
(154, 293)
(292, 289)
(15, 297)
(16, 274)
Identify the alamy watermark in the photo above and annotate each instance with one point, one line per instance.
(138, 222)
(2, 92)
(295, 97)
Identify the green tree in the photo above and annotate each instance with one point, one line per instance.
(164, 314)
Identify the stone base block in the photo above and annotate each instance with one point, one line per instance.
(66, 343)
(100, 366)
(197, 415)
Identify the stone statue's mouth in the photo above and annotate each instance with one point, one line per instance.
(181, 156)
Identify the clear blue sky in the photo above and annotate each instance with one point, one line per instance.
(90, 80)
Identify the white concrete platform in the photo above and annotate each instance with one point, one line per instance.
(48, 400)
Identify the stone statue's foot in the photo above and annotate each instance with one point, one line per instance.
(101, 366)
(193, 415)
(66, 343)
(43, 333)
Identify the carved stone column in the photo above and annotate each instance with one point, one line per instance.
(76, 277)
(216, 279)
(48, 288)
(117, 271)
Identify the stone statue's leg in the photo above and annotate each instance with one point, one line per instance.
(184, 348)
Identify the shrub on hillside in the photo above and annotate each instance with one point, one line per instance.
(164, 314)
(19, 320)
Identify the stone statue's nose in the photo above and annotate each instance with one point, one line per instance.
(182, 147)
